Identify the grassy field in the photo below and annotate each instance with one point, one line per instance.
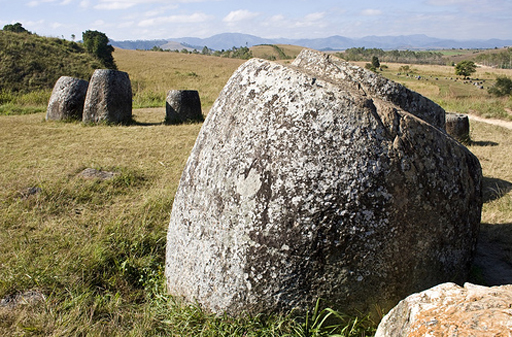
(453, 93)
(271, 52)
(95, 249)
(153, 74)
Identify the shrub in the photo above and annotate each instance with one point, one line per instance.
(502, 87)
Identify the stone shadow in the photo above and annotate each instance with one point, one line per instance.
(136, 123)
(482, 143)
(492, 264)
(495, 188)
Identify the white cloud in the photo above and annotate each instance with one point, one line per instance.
(447, 2)
(239, 15)
(277, 18)
(34, 23)
(120, 4)
(194, 18)
(85, 4)
(112, 5)
(311, 20)
(152, 13)
(371, 12)
(127, 24)
(314, 16)
(36, 3)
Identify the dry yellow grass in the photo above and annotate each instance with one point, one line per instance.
(493, 147)
(158, 72)
(35, 151)
(267, 51)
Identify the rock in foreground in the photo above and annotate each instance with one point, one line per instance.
(450, 310)
(67, 99)
(109, 97)
(298, 188)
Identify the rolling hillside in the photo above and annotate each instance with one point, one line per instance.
(30, 62)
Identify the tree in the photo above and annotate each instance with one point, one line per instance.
(206, 51)
(16, 28)
(375, 62)
(96, 43)
(465, 68)
(502, 87)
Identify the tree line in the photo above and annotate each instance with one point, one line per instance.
(397, 56)
(501, 59)
(243, 53)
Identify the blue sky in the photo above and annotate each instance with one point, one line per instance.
(162, 19)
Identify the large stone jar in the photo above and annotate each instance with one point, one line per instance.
(109, 97)
(67, 99)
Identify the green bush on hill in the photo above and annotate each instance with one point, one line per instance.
(29, 62)
(96, 43)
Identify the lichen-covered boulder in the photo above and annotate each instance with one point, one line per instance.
(298, 188)
(67, 99)
(183, 106)
(109, 97)
(451, 310)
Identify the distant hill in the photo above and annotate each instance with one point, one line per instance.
(149, 44)
(30, 62)
(411, 42)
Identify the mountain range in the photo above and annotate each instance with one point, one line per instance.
(230, 40)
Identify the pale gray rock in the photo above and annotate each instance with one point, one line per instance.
(299, 188)
(67, 99)
(457, 126)
(183, 106)
(91, 174)
(109, 97)
(30, 297)
(451, 310)
(369, 84)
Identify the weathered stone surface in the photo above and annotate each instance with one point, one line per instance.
(183, 106)
(67, 99)
(299, 188)
(369, 84)
(109, 97)
(90, 173)
(26, 298)
(450, 310)
(457, 126)
(30, 191)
